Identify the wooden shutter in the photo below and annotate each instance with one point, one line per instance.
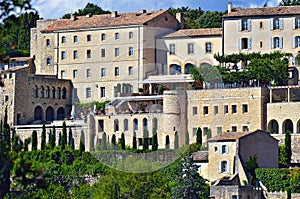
(271, 24)
(249, 24)
(249, 43)
(281, 25)
(240, 44)
(239, 25)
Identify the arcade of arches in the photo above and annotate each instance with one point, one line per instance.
(175, 69)
(274, 127)
(49, 114)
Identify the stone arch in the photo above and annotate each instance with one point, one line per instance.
(205, 64)
(50, 113)
(135, 124)
(42, 92)
(175, 69)
(273, 127)
(36, 91)
(287, 125)
(61, 114)
(38, 113)
(187, 68)
(125, 124)
(298, 126)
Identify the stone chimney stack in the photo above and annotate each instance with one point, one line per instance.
(179, 17)
(229, 7)
(114, 14)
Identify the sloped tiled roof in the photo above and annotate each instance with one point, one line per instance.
(104, 20)
(232, 136)
(195, 32)
(265, 11)
(13, 69)
(200, 156)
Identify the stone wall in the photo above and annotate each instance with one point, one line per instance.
(295, 145)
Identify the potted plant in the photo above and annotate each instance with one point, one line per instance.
(160, 89)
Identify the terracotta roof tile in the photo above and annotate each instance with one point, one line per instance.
(195, 32)
(266, 11)
(104, 20)
(229, 136)
(200, 156)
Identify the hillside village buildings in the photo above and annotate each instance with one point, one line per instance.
(115, 56)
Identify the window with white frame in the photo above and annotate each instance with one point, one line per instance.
(244, 24)
(276, 42)
(233, 128)
(117, 72)
(130, 70)
(172, 49)
(297, 23)
(225, 109)
(219, 130)
(62, 73)
(130, 35)
(190, 48)
(208, 47)
(88, 38)
(297, 41)
(245, 128)
(75, 54)
(245, 108)
(75, 74)
(195, 110)
(102, 52)
(224, 149)
(276, 24)
(102, 91)
(245, 43)
(103, 37)
(224, 167)
(102, 72)
(216, 110)
(234, 109)
(205, 110)
(88, 92)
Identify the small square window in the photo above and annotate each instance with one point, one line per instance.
(225, 109)
(215, 149)
(219, 130)
(245, 129)
(216, 110)
(224, 149)
(88, 38)
(63, 39)
(245, 108)
(205, 110)
(103, 37)
(117, 36)
(117, 72)
(234, 109)
(102, 72)
(234, 129)
(63, 55)
(190, 48)
(130, 70)
(208, 47)
(195, 110)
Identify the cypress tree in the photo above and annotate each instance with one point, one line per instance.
(134, 146)
(103, 143)
(154, 140)
(59, 139)
(288, 147)
(167, 142)
(43, 139)
(70, 137)
(199, 136)
(34, 140)
(26, 143)
(82, 142)
(64, 136)
(123, 141)
(113, 142)
(145, 142)
(187, 138)
(72, 144)
(176, 144)
(53, 138)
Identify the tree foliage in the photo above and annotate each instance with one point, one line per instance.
(81, 142)
(154, 140)
(64, 141)
(199, 136)
(145, 140)
(134, 145)
(176, 140)
(288, 147)
(34, 140)
(210, 19)
(122, 141)
(289, 3)
(43, 138)
(90, 8)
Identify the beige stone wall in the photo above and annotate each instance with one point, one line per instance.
(254, 98)
(295, 145)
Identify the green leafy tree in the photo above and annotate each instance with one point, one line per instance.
(210, 19)
(190, 15)
(251, 165)
(53, 137)
(34, 140)
(26, 143)
(59, 139)
(189, 184)
(289, 3)
(64, 140)
(199, 136)
(70, 137)
(122, 141)
(43, 139)
(134, 146)
(113, 141)
(288, 147)
(104, 142)
(145, 140)
(154, 140)
(176, 140)
(90, 8)
(72, 144)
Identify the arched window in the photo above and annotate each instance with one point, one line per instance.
(61, 113)
(135, 124)
(116, 125)
(59, 93)
(175, 69)
(287, 126)
(273, 127)
(42, 92)
(38, 113)
(224, 167)
(49, 114)
(188, 68)
(167, 142)
(53, 92)
(145, 124)
(48, 92)
(64, 93)
(125, 124)
(36, 92)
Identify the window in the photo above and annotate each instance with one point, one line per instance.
(195, 110)
(225, 109)
(63, 55)
(140, 141)
(245, 108)
(6, 98)
(216, 110)
(245, 128)
(88, 93)
(42, 92)
(63, 39)
(297, 23)
(62, 74)
(48, 92)
(130, 70)
(205, 110)
(276, 24)
(103, 52)
(130, 51)
(234, 109)
(117, 52)
(277, 42)
(224, 167)
(260, 44)
(135, 124)
(48, 42)
(244, 24)
(224, 149)
(59, 93)
(102, 72)
(190, 48)
(195, 132)
(117, 36)
(261, 25)
(88, 38)
(88, 54)
(297, 42)
(75, 54)
(117, 72)
(116, 125)
(233, 129)
(125, 124)
(64, 93)
(244, 43)
(88, 73)
(48, 61)
(103, 37)
(100, 125)
(53, 92)
(75, 39)
(208, 47)
(75, 74)
(172, 49)
(219, 130)
(102, 91)
(130, 35)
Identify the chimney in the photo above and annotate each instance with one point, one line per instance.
(179, 17)
(73, 17)
(143, 11)
(229, 7)
(114, 14)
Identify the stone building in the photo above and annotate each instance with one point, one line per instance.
(104, 56)
(33, 98)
